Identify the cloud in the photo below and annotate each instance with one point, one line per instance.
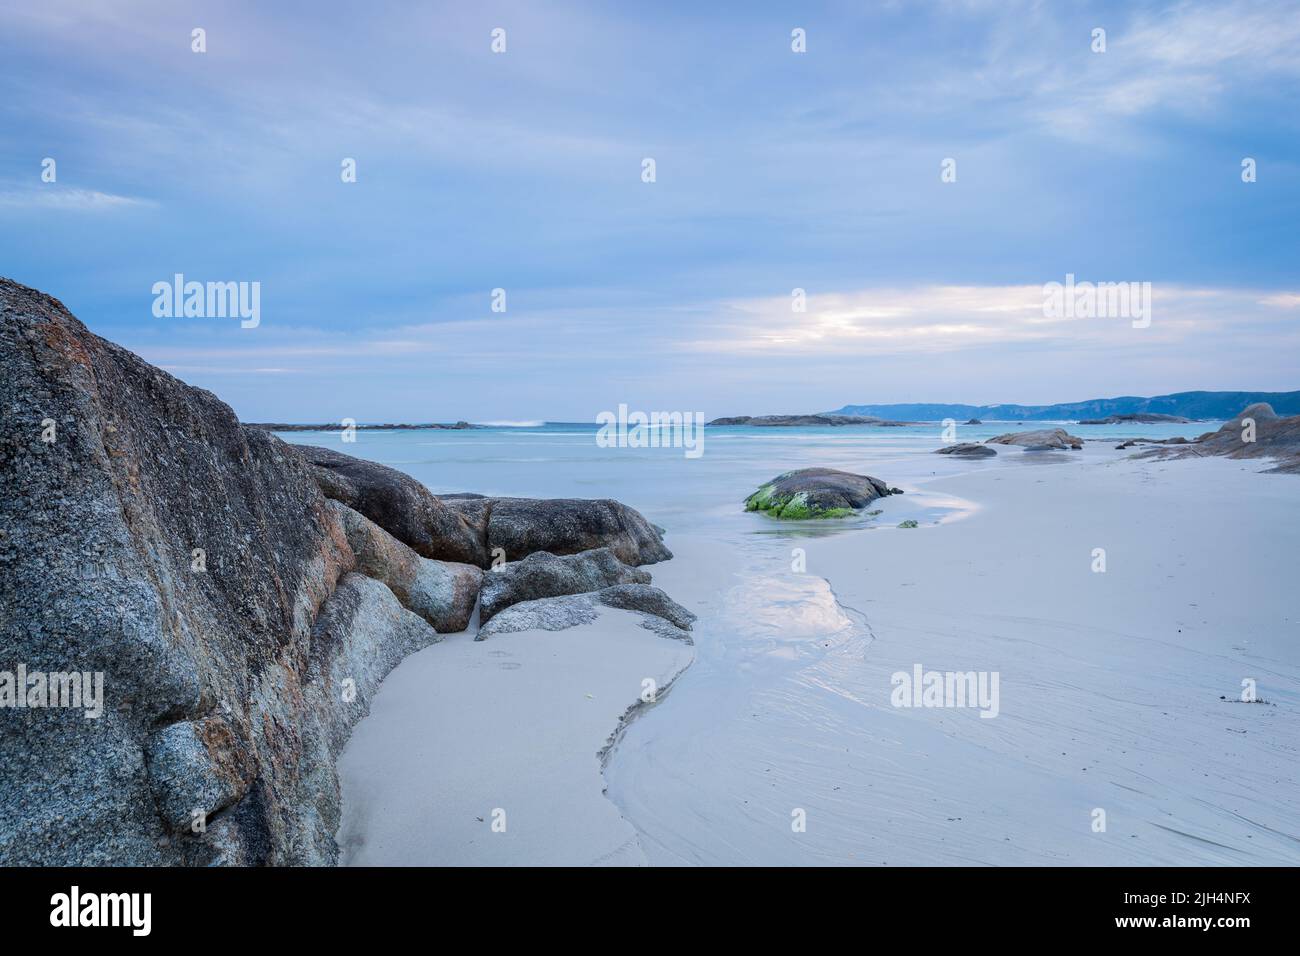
(922, 319)
(933, 319)
(55, 197)
(1284, 300)
(1185, 58)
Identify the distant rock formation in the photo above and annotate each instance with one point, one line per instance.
(1198, 406)
(1045, 439)
(1257, 432)
(974, 421)
(237, 599)
(1176, 440)
(338, 426)
(788, 421)
(967, 450)
(817, 493)
(1143, 418)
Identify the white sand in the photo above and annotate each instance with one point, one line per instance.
(1110, 690)
(1109, 684)
(514, 723)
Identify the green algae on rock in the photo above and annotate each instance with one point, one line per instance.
(812, 493)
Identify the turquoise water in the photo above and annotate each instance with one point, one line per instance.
(562, 460)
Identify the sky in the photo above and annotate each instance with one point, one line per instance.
(774, 170)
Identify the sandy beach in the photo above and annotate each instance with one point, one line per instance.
(531, 712)
(1119, 691)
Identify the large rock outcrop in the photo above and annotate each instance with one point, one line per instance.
(441, 592)
(197, 613)
(474, 529)
(147, 537)
(397, 503)
(362, 633)
(1257, 432)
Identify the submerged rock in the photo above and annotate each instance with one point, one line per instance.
(541, 575)
(967, 450)
(817, 493)
(1043, 439)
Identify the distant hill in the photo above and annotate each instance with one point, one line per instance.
(1208, 406)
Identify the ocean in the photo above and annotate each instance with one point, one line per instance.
(562, 460)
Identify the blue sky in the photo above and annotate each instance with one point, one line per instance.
(775, 170)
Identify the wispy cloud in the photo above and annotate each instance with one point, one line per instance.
(1185, 57)
(957, 318)
(55, 197)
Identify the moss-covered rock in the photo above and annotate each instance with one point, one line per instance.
(815, 493)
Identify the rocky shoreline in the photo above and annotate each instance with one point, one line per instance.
(792, 421)
(1137, 418)
(338, 426)
(242, 599)
(1256, 432)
